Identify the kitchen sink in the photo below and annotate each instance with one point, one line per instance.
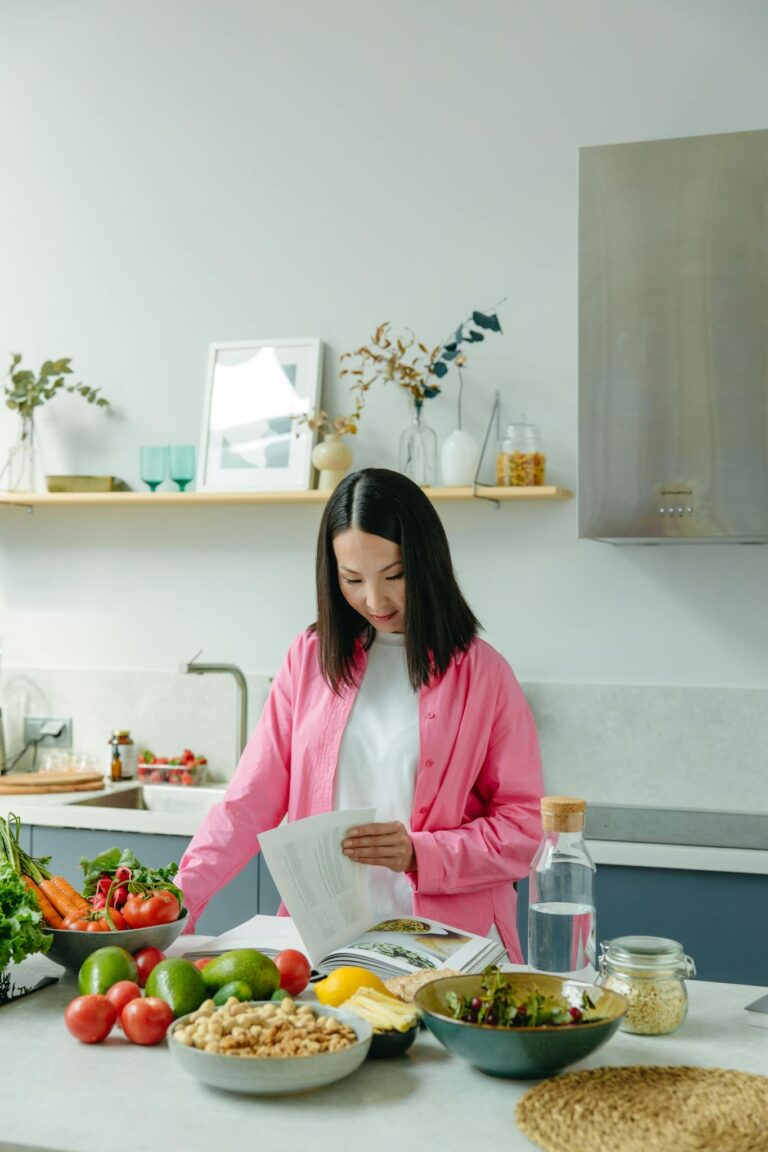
(155, 799)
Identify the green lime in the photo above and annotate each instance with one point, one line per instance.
(236, 988)
(179, 983)
(105, 967)
(246, 964)
(281, 994)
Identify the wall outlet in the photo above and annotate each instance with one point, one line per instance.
(33, 726)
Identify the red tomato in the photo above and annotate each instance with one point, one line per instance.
(202, 961)
(161, 907)
(90, 1019)
(294, 970)
(146, 1021)
(121, 994)
(96, 922)
(146, 959)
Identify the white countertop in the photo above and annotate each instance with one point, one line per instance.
(425, 1099)
(177, 811)
(180, 810)
(697, 858)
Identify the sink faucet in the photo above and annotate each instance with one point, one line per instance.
(242, 706)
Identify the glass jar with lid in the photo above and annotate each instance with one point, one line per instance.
(650, 973)
(520, 459)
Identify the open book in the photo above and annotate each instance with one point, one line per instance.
(331, 919)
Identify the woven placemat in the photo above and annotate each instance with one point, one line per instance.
(648, 1109)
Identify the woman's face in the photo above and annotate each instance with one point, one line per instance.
(371, 578)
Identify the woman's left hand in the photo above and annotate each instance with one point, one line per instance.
(387, 845)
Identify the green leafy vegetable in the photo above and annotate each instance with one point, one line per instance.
(20, 919)
(501, 1005)
(107, 864)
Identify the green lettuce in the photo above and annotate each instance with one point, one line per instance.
(20, 919)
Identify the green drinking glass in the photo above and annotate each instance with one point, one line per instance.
(182, 464)
(154, 466)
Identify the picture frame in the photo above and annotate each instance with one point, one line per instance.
(251, 438)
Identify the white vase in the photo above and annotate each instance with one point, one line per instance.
(459, 458)
(332, 457)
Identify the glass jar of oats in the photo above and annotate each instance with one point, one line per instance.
(650, 973)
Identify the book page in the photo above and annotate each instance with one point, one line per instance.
(268, 934)
(324, 891)
(412, 944)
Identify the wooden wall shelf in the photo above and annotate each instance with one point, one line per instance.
(32, 500)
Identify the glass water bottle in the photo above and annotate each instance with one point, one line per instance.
(561, 902)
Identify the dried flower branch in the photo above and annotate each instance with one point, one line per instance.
(402, 359)
(320, 421)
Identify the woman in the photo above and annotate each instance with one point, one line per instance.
(391, 700)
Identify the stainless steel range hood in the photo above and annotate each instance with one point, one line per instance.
(673, 341)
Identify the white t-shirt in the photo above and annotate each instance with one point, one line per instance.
(378, 758)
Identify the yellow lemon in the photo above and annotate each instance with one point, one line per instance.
(343, 983)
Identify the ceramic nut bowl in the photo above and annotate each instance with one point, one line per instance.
(70, 948)
(518, 1052)
(278, 1075)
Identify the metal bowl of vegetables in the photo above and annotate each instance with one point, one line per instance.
(521, 1025)
(70, 947)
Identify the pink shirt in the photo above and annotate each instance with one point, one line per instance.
(475, 817)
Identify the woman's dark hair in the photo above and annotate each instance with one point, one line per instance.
(438, 621)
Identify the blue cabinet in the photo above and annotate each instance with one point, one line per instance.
(233, 904)
(269, 897)
(718, 917)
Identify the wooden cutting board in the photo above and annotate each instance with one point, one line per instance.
(25, 783)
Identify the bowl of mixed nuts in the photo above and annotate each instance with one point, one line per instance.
(267, 1048)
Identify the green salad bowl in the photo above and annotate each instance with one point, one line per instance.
(521, 1053)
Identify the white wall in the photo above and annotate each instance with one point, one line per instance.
(179, 172)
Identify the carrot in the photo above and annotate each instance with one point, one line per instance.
(50, 915)
(75, 901)
(55, 896)
(61, 901)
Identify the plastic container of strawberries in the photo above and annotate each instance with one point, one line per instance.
(182, 775)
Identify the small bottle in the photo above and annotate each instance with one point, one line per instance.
(561, 902)
(520, 461)
(122, 756)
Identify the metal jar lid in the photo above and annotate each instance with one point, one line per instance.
(645, 955)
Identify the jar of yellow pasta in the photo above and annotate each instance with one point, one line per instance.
(520, 461)
(649, 972)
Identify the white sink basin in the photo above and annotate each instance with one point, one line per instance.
(156, 798)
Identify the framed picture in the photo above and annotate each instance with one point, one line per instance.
(252, 440)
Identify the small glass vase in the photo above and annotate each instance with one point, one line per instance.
(418, 449)
(24, 471)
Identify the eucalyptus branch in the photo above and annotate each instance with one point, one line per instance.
(24, 391)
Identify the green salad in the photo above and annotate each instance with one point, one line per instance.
(501, 1004)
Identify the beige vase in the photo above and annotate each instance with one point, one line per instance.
(332, 457)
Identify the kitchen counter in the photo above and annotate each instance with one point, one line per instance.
(178, 812)
(175, 811)
(127, 1098)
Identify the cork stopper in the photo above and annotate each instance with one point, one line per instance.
(562, 813)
